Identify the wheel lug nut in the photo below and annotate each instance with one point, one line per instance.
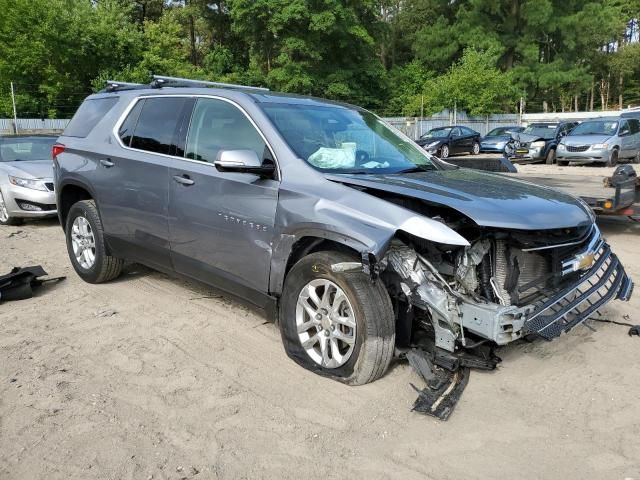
(333, 327)
(318, 316)
(326, 333)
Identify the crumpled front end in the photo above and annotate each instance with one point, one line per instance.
(507, 285)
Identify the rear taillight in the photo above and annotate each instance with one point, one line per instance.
(56, 150)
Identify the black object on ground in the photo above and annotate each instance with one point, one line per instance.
(19, 283)
(634, 330)
(443, 389)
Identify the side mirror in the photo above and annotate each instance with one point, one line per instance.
(624, 132)
(243, 161)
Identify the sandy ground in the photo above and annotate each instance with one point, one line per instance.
(151, 377)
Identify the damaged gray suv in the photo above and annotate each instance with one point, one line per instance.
(358, 242)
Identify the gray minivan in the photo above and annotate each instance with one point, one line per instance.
(601, 140)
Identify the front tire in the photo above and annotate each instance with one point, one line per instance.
(86, 246)
(336, 324)
(444, 151)
(5, 218)
(613, 159)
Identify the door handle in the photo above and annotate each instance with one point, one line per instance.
(107, 163)
(183, 180)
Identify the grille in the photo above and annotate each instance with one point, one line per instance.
(577, 148)
(49, 186)
(577, 302)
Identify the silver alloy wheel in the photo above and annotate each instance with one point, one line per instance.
(4, 214)
(444, 151)
(476, 148)
(83, 242)
(325, 323)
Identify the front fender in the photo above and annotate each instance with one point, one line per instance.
(358, 220)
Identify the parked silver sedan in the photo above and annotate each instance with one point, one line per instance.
(26, 178)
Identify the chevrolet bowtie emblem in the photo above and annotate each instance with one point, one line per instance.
(585, 260)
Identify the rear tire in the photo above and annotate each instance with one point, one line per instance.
(475, 150)
(372, 317)
(96, 266)
(551, 157)
(613, 159)
(5, 218)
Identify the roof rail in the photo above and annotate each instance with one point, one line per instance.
(160, 81)
(115, 85)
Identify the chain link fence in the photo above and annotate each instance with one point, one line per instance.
(415, 127)
(32, 125)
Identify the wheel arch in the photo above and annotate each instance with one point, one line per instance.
(291, 248)
(69, 193)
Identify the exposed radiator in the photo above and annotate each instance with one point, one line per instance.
(514, 269)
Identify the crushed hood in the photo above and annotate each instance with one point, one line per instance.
(29, 169)
(489, 199)
(526, 138)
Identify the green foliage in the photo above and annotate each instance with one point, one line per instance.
(53, 49)
(398, 57)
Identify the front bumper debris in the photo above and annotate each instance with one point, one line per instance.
(452, 312)
(443, 389)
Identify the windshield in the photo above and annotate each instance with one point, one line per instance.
(544, 131)
(24, 149)
(336, 139)
(503, 131)
(596, 127)
(437, 133)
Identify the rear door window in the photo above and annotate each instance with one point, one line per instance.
(634, 125)
(88, 116)
(155, 130)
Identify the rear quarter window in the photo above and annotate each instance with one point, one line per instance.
(88, 116)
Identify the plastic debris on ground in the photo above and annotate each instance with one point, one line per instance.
(19, 283)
